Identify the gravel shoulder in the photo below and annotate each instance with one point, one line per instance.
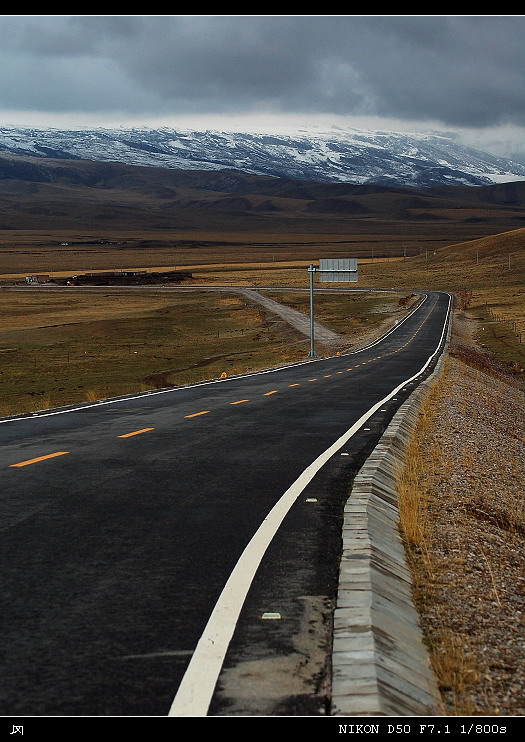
(469, 574)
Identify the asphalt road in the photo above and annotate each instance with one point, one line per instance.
(123, 521)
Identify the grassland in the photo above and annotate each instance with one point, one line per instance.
(62, 349)
(58, 348)
(487, 277)
(62, 252)
(349, 315)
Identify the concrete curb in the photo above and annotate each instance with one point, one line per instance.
(380, 665)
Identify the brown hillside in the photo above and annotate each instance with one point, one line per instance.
(46, 194)
(495, 246)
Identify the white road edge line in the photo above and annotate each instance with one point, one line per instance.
(195, 692)
(102, 403)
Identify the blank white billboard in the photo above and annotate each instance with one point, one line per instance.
(338, 270)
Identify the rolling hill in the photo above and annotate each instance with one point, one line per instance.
(57, 193)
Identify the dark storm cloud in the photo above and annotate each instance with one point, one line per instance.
(462, 71)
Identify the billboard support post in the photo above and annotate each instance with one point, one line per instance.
(339, 270)
(311, 271)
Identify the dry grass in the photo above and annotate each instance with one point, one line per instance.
(348, 314)
(62, 350)
(463, 519)
(500, 313)
(487, 277)
(24, 252)
(412, 485)
(456, 669)
(60, 347)
(491, 269)
(450, 654)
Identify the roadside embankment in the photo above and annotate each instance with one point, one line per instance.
(380, 665)
(468, 563)
(432, 591)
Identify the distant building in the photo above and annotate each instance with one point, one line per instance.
(38, 279)
(129, 277)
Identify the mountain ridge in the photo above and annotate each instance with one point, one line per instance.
(352, 156)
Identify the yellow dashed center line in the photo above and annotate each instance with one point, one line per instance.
(41, 458)
(198, 414)
(135, 432)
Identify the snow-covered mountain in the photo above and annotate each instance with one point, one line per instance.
(333, 155)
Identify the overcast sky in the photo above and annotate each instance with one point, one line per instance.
(460, 74)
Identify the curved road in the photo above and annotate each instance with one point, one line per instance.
(168, 553)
